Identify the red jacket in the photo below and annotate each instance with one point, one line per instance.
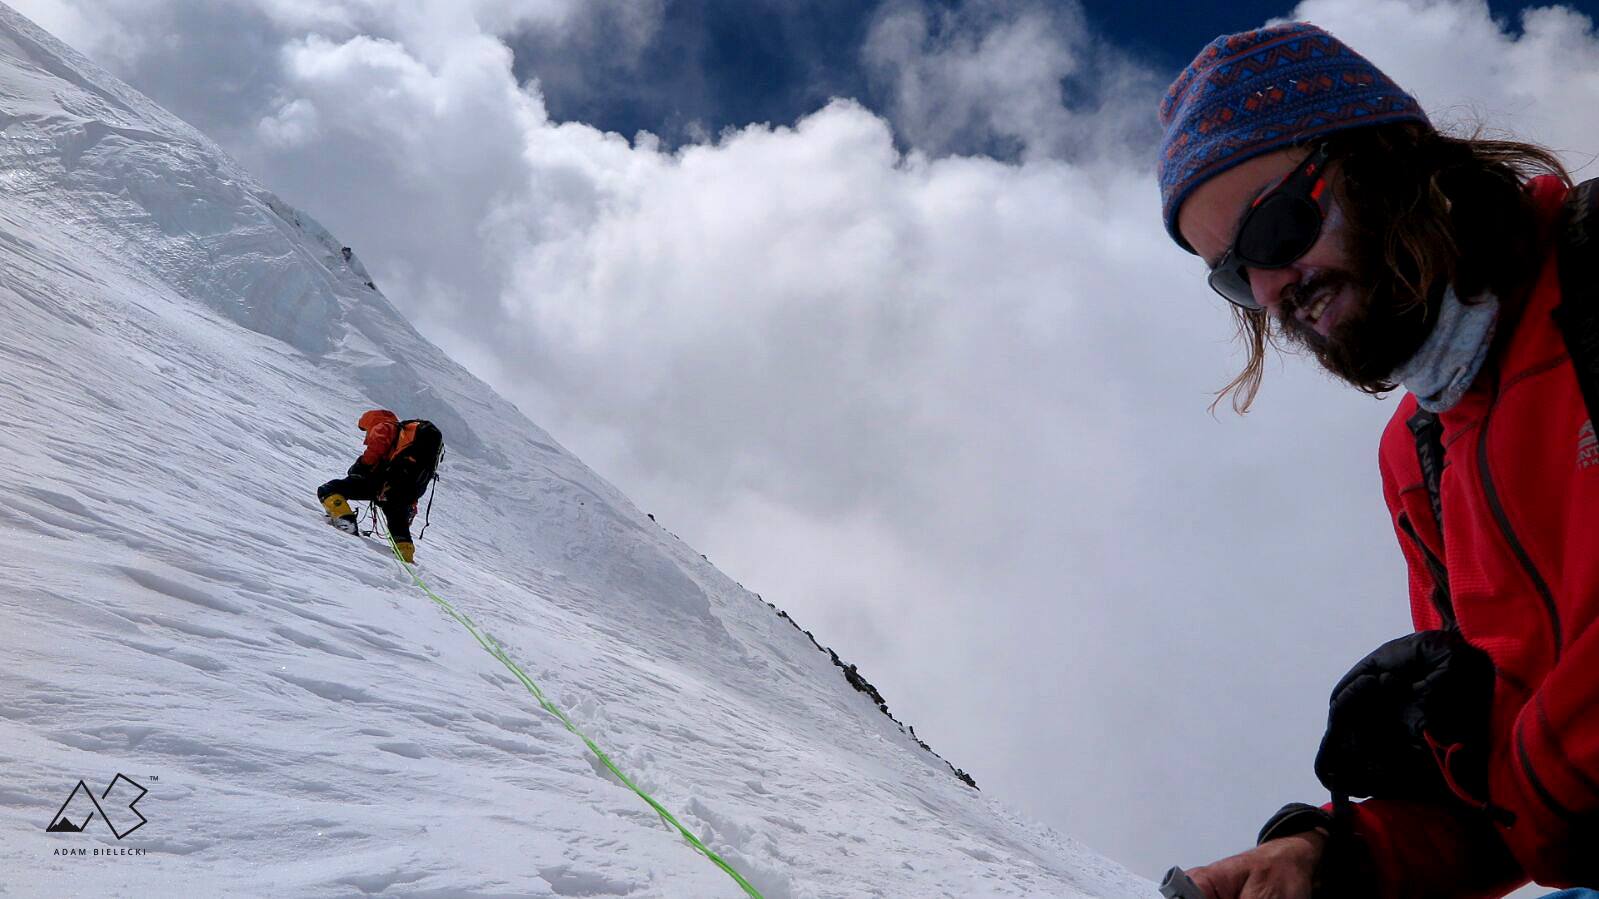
(1520, 489)
(382, 428)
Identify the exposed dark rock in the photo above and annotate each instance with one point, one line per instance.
(856, 680)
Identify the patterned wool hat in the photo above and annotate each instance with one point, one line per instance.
(1257, 91)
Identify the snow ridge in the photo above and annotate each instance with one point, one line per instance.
(182, 361)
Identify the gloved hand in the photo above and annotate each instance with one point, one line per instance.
(1410, 721)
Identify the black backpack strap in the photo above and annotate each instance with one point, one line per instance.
(1429, 434)
(1577, 316)
(427, 517)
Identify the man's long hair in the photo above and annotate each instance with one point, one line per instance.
(1424, 211)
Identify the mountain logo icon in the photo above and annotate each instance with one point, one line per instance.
(82, 807)
(65, 826)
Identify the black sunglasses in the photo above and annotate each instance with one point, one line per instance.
(1281, 225)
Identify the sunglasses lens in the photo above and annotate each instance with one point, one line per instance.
(1278, 231)
(1233, 284)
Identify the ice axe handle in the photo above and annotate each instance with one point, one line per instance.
(1177, 885)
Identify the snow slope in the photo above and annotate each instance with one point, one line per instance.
(182, 359)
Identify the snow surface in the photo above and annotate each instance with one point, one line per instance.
(182, 360)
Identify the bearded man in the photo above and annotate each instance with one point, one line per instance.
(1335, 218)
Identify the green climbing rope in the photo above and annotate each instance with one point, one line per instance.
(495, 650)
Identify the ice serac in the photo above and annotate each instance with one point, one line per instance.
(182, 357)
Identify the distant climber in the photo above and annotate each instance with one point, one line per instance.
(399, 462)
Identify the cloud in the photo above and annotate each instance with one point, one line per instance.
(1019, 77)
(949, 410)
(292, 124)
(1468, 71)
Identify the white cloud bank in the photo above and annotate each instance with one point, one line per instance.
(950, 412)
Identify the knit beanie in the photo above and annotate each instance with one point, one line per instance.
(1251, 93)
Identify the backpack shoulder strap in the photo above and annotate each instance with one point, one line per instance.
(1429, 434)
(1577, 316)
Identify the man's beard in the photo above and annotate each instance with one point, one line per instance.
(1377, 334)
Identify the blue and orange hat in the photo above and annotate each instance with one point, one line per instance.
(1257, 91)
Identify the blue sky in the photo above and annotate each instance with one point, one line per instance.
(716, 64)
(713, 63)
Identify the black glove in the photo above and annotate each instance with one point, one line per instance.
(1409, 719)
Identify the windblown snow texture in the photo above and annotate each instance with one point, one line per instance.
(182, 359)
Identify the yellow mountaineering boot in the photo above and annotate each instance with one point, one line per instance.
(339, 510)
(337, 506)
(407, 551)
